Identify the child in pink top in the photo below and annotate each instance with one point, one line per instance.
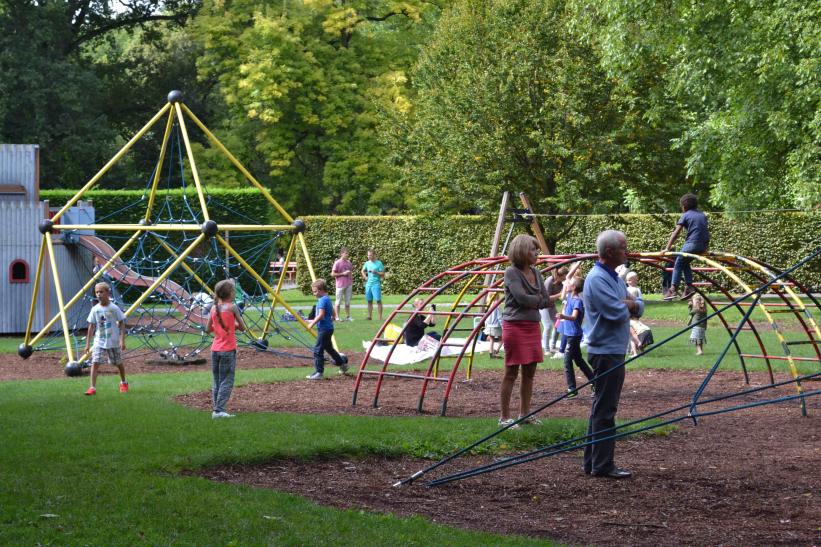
(223, 321)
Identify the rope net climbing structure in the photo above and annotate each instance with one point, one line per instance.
(163, 254)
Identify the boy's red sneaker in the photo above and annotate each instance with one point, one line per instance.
(123, 387)
(91, 391)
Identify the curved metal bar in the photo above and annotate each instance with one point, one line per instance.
(662, 266)
(425, 287)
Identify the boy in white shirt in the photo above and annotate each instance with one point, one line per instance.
(106, 323)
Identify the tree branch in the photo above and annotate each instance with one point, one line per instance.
(121, 23)
(385, 17)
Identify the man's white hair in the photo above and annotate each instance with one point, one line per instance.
(608, 239)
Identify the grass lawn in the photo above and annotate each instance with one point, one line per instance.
(105, 470)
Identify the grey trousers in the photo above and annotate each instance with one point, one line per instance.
(598, 457)
(223, 365)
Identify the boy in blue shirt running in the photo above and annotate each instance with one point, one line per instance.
(324, 322)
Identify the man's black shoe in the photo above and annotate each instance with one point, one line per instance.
(616, 473)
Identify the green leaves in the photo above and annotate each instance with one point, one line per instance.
(508, 97)
(311, 78)
(740, 81)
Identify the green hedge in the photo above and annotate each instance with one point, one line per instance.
(416, 248)
(412, 248)
(128, 206)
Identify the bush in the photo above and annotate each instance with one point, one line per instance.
(415, 249)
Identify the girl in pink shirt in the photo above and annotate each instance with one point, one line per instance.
(223, 321)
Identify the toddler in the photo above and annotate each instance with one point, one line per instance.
(698, 311)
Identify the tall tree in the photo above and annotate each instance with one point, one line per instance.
(307, 79)
(508, 98)
(744, 75)
(52, 91)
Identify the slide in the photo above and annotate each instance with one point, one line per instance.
(122, 273)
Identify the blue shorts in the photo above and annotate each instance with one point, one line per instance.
(373, 292)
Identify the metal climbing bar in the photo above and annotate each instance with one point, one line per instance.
(691, 406)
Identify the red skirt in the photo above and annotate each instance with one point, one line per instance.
(523, 342)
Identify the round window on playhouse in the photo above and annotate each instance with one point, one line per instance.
(19, 271)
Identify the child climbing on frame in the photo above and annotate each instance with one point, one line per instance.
(223, 320)
(696, 242)
(698, 311)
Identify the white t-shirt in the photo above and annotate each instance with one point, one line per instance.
(107, 333)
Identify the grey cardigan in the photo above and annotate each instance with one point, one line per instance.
(522, 299)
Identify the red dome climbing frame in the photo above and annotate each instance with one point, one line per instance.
(473, 290)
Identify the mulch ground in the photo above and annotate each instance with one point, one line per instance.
(750, 477)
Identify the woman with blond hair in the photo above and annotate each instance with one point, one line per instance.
(525, 295)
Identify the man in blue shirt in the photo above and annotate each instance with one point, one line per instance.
(324, 322)
(696, 242)
(608, 307)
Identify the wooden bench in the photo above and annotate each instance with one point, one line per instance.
(290, 270)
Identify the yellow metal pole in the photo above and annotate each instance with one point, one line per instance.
(88, 285)
(110, 163)
(795, 297)
(238, 165)
(262, 282)
(278, 289)
(165, 138)
(188, 268)
(59, 291)
(193, 163)
(307, 256)
(468, 285)
(174, 227)
(36, 290)
(157, 282)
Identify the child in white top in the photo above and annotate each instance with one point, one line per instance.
(106, 324)
(632, 280)
(493, 331)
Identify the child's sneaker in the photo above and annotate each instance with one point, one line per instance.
(669, 295)
(504, 423)
(558, 355)
(123, 387)
(689, 291)
(343, 367)
(217, 415)
(91, 391)
(572, 393)
(314, 376)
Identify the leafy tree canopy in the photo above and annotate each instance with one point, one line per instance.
(307, 80)
(745, 78)
(54, 89)
(508, 98)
